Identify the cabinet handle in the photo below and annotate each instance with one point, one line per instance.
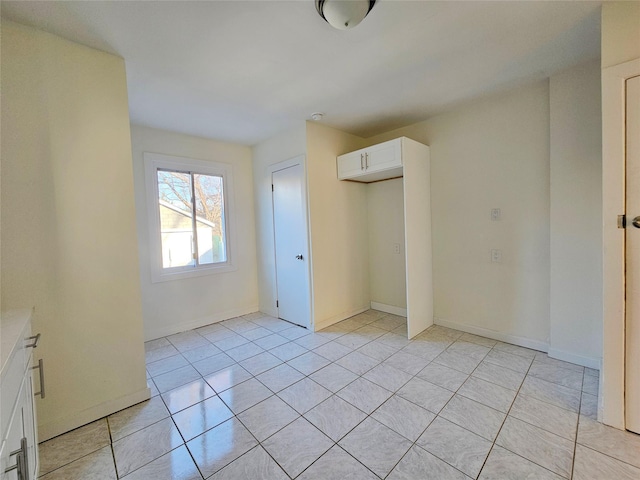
(17, 466)
(25, 457)
(40, 367)
(22, 465)
(35, 338)
(366, 161)
(361, 161)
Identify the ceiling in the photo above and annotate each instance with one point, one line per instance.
(242, 71)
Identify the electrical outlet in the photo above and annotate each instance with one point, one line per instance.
(496, 256)
(396, 248)
(496, 214)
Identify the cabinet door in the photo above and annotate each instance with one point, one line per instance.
(351, 165)
(30, 425)
(384, 156)
(13, 439)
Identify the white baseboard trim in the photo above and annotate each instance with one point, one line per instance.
(159, 332)
(389, 309)
(338, 318)
(590, 362)
(268, 310)
(503, 337)
(62, 425)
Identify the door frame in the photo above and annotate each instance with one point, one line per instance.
(271, 169)
(611, 404)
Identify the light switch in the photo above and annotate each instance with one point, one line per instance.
(396, 248)
(496, 256)
(496, 214)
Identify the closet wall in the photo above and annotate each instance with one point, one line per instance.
(387, 268)
(491, 153)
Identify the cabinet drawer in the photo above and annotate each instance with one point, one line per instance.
(11, 380)
(14, 435)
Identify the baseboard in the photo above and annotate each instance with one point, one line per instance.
(338, 318)
(590, 362)
(389, 309)
(269, 310)
(159, 332)
(503, 337)
(77, 419)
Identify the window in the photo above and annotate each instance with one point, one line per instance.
(189, 209)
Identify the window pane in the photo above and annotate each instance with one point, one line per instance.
(210, 223)
(176, 222)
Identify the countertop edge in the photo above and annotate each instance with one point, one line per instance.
(12, 323)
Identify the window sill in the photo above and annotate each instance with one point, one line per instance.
(158, 277)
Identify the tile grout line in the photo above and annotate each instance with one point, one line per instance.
(415, 442)
(364, 373)
(358, 376)
(504, 421)
(575, 443)
(493, 443)
(113, 453)
(437, 415)
(307, 376)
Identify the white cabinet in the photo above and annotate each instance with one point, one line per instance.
(19, 448)
(372, 164)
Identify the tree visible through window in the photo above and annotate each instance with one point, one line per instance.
(192, 218)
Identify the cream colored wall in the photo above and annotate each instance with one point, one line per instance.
(620, 32)
(338, 218)
(179, 305)
(68, 223)
(576, 215)
(277, 149)
(492, 153)
(387, 272)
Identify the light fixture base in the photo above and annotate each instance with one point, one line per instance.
(317, 116)
(344, 14)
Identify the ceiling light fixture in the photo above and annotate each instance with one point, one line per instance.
(344, 14)
(317, 116)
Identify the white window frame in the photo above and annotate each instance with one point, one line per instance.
(156, 161)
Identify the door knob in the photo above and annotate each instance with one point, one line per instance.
(299, 257)
(636, 222)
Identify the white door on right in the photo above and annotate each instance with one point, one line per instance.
(292, 256)
(632, 261)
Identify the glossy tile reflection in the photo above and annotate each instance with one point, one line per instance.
(259, 398)
(221, 445)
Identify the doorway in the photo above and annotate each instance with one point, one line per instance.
(290, 228)
(632, 256)
(619, 404)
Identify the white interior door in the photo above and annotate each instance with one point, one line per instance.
(290, 230)
(632, 246)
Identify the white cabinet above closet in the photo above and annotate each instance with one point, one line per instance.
(372, 164)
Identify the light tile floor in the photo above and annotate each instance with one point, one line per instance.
(255, 397)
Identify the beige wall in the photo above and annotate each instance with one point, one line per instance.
(620, 32)
(178, 305)
(338, 218)
(284, 146)
(492, 153)
(68, 223)
(576, 215)
(387, 272)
